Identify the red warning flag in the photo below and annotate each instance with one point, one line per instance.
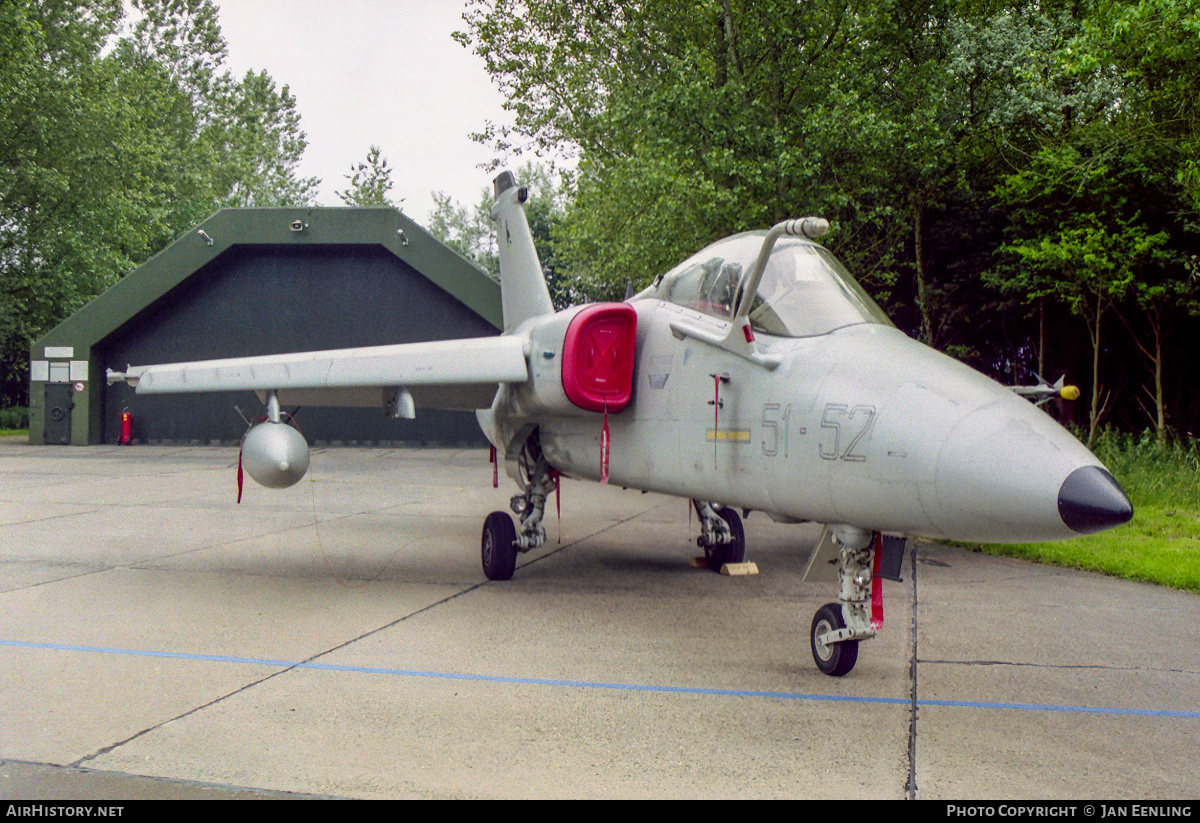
(604, 449)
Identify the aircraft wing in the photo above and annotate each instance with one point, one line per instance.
(444, 373)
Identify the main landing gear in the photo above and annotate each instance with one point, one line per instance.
(501, 543)
(838, 627)
(721, 535)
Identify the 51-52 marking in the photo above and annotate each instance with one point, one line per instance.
(842, 430)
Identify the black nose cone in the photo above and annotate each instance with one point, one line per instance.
(1090, 500)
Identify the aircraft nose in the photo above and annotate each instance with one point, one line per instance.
(1090, 500)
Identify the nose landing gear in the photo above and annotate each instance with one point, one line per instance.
(838, 627)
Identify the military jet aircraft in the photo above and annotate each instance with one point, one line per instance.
(757, 374)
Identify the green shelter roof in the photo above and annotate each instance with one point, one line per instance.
(228, 228)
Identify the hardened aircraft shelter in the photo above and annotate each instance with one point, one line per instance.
(252, 282)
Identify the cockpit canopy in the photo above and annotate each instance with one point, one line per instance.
(804, 290)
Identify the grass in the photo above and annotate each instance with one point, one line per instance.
(14, 432)
(1162, 543)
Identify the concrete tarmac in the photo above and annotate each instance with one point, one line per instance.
(339, 639)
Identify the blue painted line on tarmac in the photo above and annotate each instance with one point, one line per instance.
(212, 658)
(588, 684)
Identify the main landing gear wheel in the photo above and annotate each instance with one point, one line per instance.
(834, 659)
(498, 548)
(735, 550)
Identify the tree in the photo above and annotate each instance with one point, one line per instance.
(264, 146)
(1155, 46)
(55, 127)
(1089, 266)
(116, 134)
(369, 182)
(471, 233)
(687, 122)
(1100, 215)
(468, 231)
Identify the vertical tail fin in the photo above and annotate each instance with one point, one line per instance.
(523, 289)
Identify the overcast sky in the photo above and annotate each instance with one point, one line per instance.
(382, 72)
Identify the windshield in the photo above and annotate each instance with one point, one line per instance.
(804, 290)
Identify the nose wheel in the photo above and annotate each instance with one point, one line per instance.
(833, 657)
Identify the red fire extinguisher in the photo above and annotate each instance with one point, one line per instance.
(126, 427)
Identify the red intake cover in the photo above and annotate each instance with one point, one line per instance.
(597, 363)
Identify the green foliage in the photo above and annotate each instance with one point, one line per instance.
(694, 124)
(1155, 45)
(14, 418)
(1152, 472)
(262, 146)
(1096, 224)
(471, 233)
(468, 231)
(116, 134)
(670, 113)
(369, 182)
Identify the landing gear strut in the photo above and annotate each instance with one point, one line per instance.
(838, 627)
(501, 541)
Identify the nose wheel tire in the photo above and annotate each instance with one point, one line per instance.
(834, 659)
(498, 547)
